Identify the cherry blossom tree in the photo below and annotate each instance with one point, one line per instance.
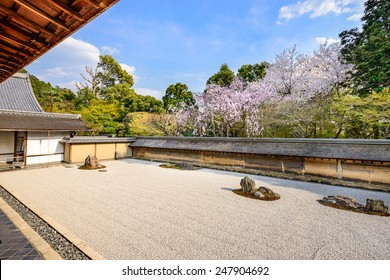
(296, 85)
(305, 82)
(218, 108)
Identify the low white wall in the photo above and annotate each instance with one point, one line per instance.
(45, 147)
(7, 140)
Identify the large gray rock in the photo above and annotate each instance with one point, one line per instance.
(268, 193)
(376, 206)
(258, 194)
(344, 201)
(248, 185)
(91, 162)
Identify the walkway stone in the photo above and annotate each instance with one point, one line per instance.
(14, 245)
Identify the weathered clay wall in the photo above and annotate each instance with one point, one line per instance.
(77, 149)
(334, 167)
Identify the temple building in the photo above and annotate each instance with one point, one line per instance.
(28, 135)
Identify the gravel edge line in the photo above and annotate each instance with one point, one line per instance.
(66, 249)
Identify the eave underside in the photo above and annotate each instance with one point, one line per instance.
(29, 28)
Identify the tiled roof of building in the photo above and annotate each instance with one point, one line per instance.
(17, 94)
(40, 121)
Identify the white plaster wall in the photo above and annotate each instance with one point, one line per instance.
(44, 147)
(7, 140)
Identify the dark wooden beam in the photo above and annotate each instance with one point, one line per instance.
(42, 14)
(13, 40)
(30, 35)
(11, 56)
(5, 70)
(66, 9)
(6, 66)
(27, 21)
(9, 61)
(19, 51)
(95, 4)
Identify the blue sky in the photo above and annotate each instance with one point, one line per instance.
(168, 41)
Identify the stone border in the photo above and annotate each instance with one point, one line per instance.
(84, 249)
(40, 245)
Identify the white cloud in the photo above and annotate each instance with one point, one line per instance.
(109, 50)
(130, 70)
(355, 17)
(151, 92)
(316, 8)
(63, 64)
(57, 72)
(323, 40)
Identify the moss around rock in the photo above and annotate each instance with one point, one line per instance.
(180, 166)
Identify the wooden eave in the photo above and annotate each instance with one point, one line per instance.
(29, 28)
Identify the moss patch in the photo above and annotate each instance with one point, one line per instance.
(179, 166)
(84, 167)
(249, 195)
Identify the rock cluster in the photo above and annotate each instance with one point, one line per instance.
(92, 162)
(372, 205)
(343, 201)
(376, 205)
(249, 186)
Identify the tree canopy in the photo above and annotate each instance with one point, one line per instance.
(224, 77)
(252, 72)
(369, 49)
(177, 95)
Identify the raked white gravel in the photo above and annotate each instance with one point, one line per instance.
(137, 210)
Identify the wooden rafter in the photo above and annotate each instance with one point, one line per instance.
(94, 3)
(66, 9)
(6, 66)
(30, 35)
(23, 52)
(27, 21)
(13, 40)
(5, 53)
(9, 61)
(42, 14)
(29, 28)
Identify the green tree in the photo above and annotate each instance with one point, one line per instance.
(143, 103)
(252, 72)
(108, 80)
(52, 99)
(104, 117)
(111, 72)
(224, 77)
(176, 95)
(369, 50)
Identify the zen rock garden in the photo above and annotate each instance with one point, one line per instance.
(249, 189)
(373, 206)
(91, 163)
